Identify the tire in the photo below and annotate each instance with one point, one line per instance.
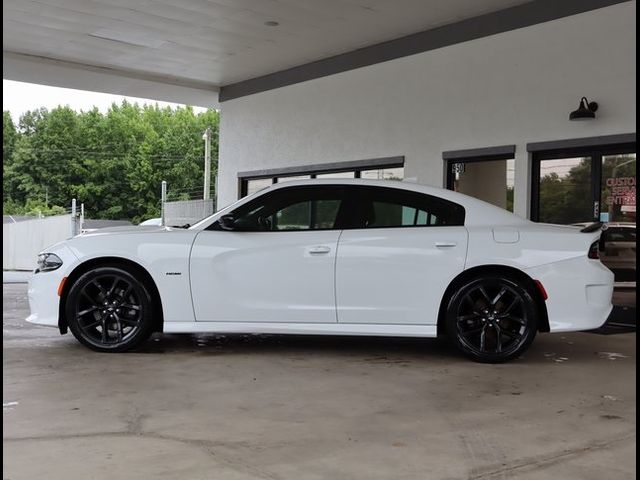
(492, 318)
(108, 309)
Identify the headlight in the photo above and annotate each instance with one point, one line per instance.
(48, 262)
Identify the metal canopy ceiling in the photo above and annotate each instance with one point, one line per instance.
(200, 45)
(185, 50)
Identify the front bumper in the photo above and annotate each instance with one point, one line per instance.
(44, 302)
(580, 292)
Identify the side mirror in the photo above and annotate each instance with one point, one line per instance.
(227, 222)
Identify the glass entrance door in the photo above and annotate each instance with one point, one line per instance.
(618, 194)
(584, 186)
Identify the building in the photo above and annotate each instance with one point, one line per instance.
(468, 95)
(478, 115)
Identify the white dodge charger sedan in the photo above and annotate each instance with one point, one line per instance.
(331, 257)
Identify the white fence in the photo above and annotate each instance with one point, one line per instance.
(187, 211)
(22, 241)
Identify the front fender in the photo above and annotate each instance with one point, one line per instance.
(164, 255)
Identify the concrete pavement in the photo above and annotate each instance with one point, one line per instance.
(276, 407)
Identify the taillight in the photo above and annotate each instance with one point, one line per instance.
(594, 251)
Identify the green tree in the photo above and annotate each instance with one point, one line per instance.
(509, 199)
(9, 136)
(112, 162)
(562, 199)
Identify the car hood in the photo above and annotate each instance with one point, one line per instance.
(127, 229)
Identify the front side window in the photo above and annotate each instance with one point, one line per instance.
(381, 207)
(291, 209)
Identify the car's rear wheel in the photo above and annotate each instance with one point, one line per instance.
(492, 318)
(109, 310)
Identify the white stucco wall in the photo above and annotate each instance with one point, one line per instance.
(513, 88)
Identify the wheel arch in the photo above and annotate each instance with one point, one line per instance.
(110, 261)
(543, 323)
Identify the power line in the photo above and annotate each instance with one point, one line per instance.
(100, 152)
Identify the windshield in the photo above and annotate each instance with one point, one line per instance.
(228, 207)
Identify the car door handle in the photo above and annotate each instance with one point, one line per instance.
(319, 250)
(446, 244)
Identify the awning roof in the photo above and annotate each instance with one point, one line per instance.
(186, 50)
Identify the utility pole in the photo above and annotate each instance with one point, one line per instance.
(74, 226)
(46, 197)
(163, 195)
(206, 136)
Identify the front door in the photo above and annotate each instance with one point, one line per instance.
(395, 264)
(276, 265)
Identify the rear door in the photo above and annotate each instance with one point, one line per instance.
(398, 257)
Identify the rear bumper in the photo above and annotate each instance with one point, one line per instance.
(580, 292)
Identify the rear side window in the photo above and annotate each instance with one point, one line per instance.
(291, 209)
(619, 235)
(383, 207)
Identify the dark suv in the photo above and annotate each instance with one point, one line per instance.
(618, 252)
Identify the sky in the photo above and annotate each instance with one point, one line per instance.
(19, 97)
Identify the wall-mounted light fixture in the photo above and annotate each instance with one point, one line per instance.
(586, 110)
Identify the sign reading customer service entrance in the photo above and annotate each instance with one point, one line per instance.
(622, 191)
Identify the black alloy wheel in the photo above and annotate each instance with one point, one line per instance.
(492, 319)
(109, 310)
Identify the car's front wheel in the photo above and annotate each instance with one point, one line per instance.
(109, 310)
(492, 318)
